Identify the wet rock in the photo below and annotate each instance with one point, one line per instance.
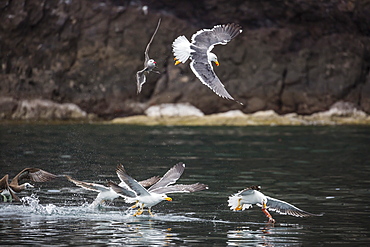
(37, 109)
(173, 110)
(339, 113)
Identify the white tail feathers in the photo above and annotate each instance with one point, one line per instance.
(181, 48)
(236, 201)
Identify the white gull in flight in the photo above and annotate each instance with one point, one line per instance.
(149, 64)
(144, 198)
(106, 193)
(246, 198)
(199, 52)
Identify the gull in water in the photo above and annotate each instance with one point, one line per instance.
(7, 190)
(149, 64)
(106, 193)
(246, 198)
(147, 198)
(199, 52)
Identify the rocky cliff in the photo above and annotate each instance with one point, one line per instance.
(296, 56)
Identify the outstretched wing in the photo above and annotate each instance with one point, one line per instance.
(150, 42)
(132, 183)
(5, 189)
(203, 42)
(150, 181)
(181, 188)
(88, 186)
(33, 174)
(121, 191)
(221, 34)
(4, 182)
(285, 208)
(171, 176)
(203, 70)
(140, 79)
(249, 191)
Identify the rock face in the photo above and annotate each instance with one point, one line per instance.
(293, 56)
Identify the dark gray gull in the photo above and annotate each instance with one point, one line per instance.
(147, 198)
(7, 190)
(106, 192)
(149, 64)
(244, 199)
(199, 52)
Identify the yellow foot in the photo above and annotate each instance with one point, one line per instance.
(138, 212)
(150, 212)
(135, 205)
(177, 62)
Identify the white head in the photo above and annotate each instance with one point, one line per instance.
(153, 199)
(213, 58)
(164, 197)
(27, 185)
(151, 63)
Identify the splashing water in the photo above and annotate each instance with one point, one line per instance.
(34, 203)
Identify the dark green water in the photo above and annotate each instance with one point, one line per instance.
(318, 169)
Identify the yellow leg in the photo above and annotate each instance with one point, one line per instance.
(138, 212)
(135, 205)
(150, 212)
(177, 62)
(268, 215)
(239, 207)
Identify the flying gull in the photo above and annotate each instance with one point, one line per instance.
(106, 193)
(246, 198)
(199, 52)
(147, 198)
(149, 64)
(7, 190)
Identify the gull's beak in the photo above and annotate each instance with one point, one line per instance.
(168, 199)
(217, 63)
(177, 62)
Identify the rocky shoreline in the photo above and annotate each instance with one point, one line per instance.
(339, 114)
(45, 111)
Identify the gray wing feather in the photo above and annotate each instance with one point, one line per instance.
(88, 186)
(35, 175)
(140, 79)
(132, 183)
(246, 192)
(150, 42)
(282, 207)
(171, 176)
(220, 34)
(204, 71)
(150, 181)
(121, 191)
(181, 188)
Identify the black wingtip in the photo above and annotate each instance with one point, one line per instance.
(234, 29)
(111, 183)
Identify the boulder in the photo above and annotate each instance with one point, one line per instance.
(173, 110)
